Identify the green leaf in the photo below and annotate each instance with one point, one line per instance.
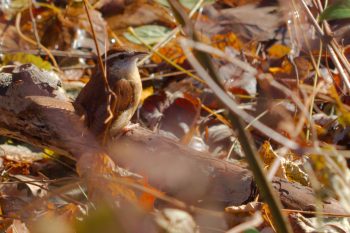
(251, 230)
(150, 34)
(27, 58)
(186, 3)
(102, 219)
(338, 10)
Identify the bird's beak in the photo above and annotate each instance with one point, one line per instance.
(139, 55)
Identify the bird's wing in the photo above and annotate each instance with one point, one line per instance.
(90, 103)
(124, 89)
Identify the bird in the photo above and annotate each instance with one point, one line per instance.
(94, 100)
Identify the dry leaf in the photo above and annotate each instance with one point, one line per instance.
(17, 227)
(176, 221)
(278, 51)
(249, 22)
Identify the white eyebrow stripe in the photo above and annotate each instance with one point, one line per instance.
(116, 55)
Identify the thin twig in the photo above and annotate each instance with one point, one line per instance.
(246, 142)
(24, 37)
(217, 52)
(111, 106)
(100, 62)
(131, 30)
(171, 35)
(326, 214)
(56, 53)
(160, 76)
(233, 106)
(35, 29)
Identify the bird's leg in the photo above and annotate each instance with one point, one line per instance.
(130, 126)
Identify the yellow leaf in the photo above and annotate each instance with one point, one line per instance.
(295, 173)
(27, 58)
(278, 51)
(146, 92)
(221, 41)
(267, 154)
(286, 68)
(48, 151)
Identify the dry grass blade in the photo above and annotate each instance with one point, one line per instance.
(201, 60)
(247, 143)
(233, 106)
(131, 30)
(337, 57)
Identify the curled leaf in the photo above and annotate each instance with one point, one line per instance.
(150, 34)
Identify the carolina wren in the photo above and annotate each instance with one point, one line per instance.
(124, 80)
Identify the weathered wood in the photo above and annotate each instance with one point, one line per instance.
(192, 175)
(181, 171)
(45, 122)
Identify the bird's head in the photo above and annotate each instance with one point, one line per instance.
(122, 62)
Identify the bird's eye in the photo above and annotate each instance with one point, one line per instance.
(122, 56)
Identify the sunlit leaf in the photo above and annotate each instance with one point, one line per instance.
(295, 173)
(27, 58)
(174, 220)
(343, 112)
(285, 69)
(278, 51)
(49, 152)
(221, 41)
(268, 155)
(146, 92)
(288, 169)
(172, 51)
(150, 34)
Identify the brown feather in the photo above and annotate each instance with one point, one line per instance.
(92, 102)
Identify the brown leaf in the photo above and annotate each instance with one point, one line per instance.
(249, 22)
(174, 113)
(111, 7)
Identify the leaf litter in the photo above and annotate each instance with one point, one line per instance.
(297, 90)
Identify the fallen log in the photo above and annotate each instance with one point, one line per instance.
(194, 177)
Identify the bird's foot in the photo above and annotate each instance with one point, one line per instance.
(130, 127)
